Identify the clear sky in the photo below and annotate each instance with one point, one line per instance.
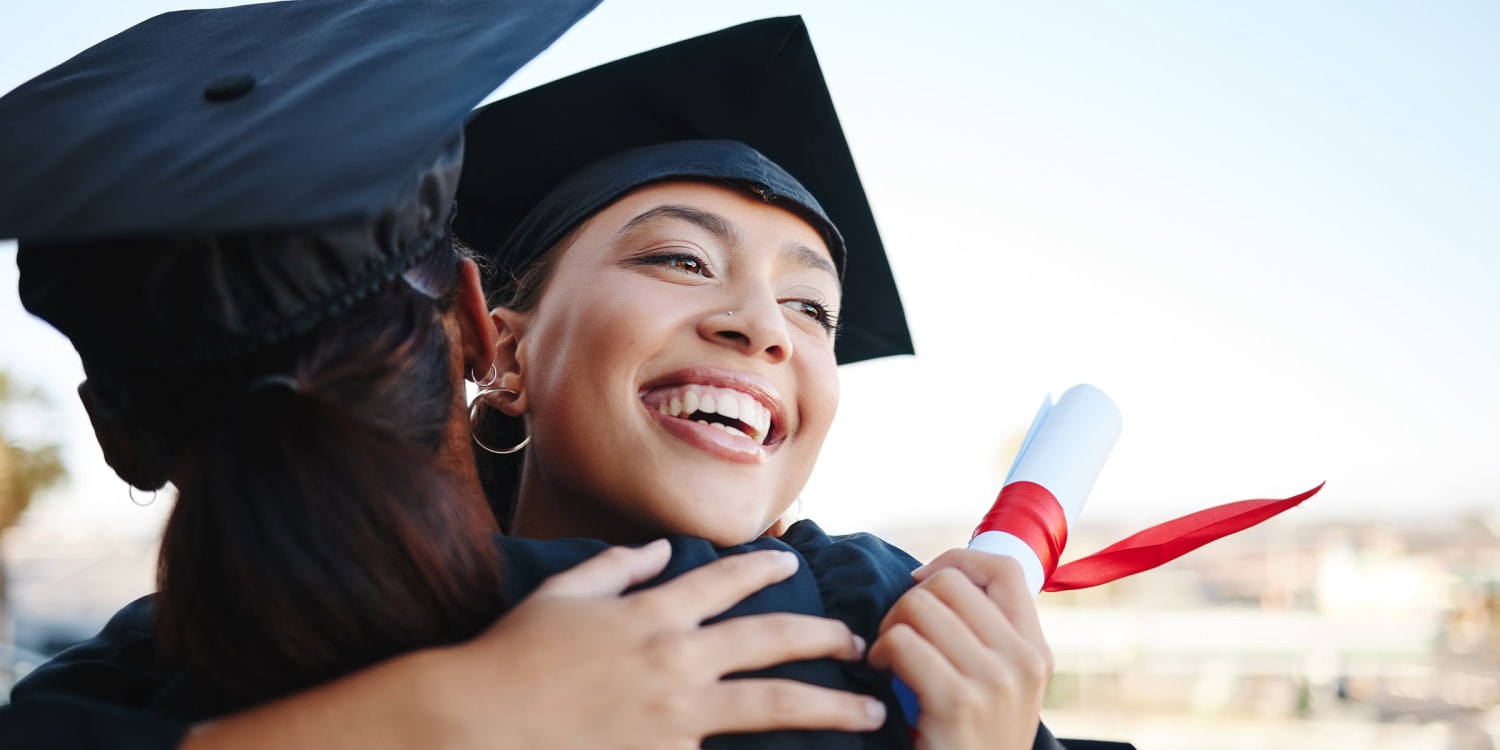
(1268, 230)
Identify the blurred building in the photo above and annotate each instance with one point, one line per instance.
(62, 584)
(1284, 636)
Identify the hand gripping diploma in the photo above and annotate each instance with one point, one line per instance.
(980, 671)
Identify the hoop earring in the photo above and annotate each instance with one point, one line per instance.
(474, 407)
(487, 382)
(131, 488)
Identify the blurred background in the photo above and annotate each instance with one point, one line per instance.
(1266, 230)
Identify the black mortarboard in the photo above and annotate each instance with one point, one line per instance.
(541, 162)
(209, 182)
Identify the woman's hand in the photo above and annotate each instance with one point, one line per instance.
(968, 642)
(578, 664)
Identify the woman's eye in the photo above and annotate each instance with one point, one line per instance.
(814, 310)
(687, 263)
(684, 262)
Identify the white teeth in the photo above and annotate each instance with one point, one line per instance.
(726, 428)
(754, 417)
(728, 406)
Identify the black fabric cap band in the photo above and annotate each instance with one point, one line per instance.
(594, 187)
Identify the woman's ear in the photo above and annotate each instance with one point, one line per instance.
(510, 361)
(135, 453)
(477, 334)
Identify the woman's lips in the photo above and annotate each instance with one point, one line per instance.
(726, 413)
(713, 440)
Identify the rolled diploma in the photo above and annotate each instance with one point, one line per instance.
(1064, 451)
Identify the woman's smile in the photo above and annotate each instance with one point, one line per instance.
(725, 413)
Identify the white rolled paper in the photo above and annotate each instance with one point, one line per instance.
(1064, 451)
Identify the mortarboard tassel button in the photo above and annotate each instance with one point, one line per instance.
(229, 87)
(764, 191)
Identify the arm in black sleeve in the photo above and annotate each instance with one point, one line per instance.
(1045, 741)
(95, 694)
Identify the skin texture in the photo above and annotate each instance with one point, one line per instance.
(641, 299)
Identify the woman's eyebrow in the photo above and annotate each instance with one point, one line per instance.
(806, 257)
(712, 223)
(728, 233)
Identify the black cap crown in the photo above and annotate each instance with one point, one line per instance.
(279, 157)
(541, 162)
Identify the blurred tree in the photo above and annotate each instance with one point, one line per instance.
(24, 471)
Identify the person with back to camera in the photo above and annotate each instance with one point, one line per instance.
(669, 248)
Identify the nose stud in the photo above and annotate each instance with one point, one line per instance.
(730, 313)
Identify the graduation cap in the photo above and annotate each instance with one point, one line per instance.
(210, 182)
(747, 104)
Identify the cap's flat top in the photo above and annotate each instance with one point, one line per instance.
(270, 116)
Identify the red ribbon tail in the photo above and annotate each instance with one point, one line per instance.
(1167, 541)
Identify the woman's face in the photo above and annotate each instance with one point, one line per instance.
(678, 370)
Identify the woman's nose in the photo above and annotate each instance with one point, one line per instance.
(758, 329)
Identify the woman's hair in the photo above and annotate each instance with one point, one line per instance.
(315, 531)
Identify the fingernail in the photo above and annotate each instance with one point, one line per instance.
(859, 645)
(786, 560)
(875, 710)
(656, 544)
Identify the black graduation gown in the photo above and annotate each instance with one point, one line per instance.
(107, 692)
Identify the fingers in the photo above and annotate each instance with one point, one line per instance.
(916, 661)
(704, 592)
(755, 705)
(1000, 578)
(967, 633)
(608, 573)
(952, 640)
(953, 604)
(759, 641)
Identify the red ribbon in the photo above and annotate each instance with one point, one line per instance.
(1032, 514)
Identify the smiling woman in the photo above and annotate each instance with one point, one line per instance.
(672, 302)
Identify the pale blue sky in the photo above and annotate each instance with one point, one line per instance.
(1266, 229)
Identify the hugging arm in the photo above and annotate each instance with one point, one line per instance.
(578, 663)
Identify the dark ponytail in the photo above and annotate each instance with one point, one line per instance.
(315, 532)
(348, 551)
